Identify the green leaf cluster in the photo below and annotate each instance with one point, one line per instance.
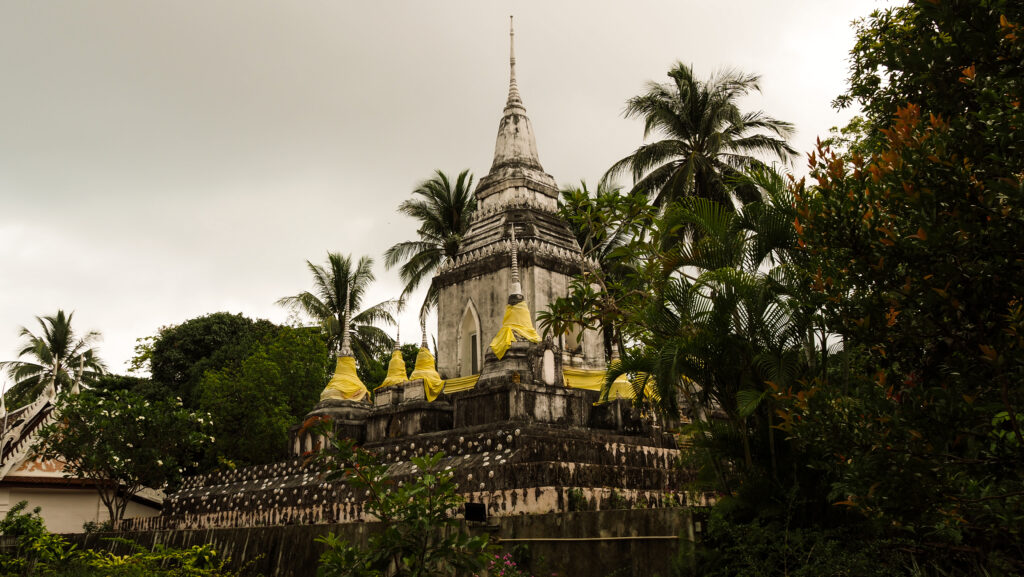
(182, 354)
(256, 401)
(55, 355)
(43, 554)
(912, 239)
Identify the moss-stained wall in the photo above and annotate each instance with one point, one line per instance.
(637, 542)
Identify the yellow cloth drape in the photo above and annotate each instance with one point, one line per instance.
(345, 384)
(432, 382)
(460, 383)
(517, 322)
(594, 379)
(396, 371)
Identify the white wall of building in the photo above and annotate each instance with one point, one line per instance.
(65, 510)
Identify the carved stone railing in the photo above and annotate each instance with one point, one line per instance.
(532, 246)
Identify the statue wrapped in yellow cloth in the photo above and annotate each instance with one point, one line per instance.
(517, 322)
(396, 367)
(345, 384)
(433, 384)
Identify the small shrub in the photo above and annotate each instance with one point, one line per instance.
(421, 535)
(576, 500)
(617, 501)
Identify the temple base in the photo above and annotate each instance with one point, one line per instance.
(403, 411)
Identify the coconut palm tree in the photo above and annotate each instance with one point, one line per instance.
(334, 285)
(736, 326)
(706, 139)
(444, 212)
(56, 352)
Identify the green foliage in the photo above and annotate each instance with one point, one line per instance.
(420, 534)
(505, 566)
(604, 224)
(617, 501)
(257, 401)
(577, 502)
(912, 242)
(35, 545)
(767, 548)
(56, 355)
(182, 354)
(123, 442)
(26, 527)
(47, 555)
(147, 388)
(409, 352)
(141, 361)
(706, 141)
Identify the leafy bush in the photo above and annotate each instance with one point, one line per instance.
(421, 535)
(43, 554)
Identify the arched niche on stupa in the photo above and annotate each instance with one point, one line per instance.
(470, 341)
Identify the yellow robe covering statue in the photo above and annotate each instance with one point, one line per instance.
(432, 382)
(517, 322)
(396, 371)
(345, 384)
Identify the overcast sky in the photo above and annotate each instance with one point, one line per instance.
(164, 160)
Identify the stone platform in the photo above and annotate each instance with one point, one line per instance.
(513, 466)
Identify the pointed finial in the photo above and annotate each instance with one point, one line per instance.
(76, 388)
(346, 340)
(398, 337)
(51, 389)
(423, 330)
(516, 291)
(513, 88)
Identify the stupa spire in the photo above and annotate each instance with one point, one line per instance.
(346, 340)
(513, 87)
(516, 146)
(516, 289)
(423, 331)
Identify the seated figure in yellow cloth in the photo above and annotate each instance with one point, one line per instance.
(345, 385)
(396, 369)
(517, 322)
(425, 369)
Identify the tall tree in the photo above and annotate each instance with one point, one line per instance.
(56, 352)
(914, 242)
(181, 354)
(123, 442)
(268, 392)
(706, 139)
(720, 332)
(444, 212)
(326, 305)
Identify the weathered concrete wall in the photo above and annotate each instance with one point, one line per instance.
(489, 295)
(514, 470)
(591, 543)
